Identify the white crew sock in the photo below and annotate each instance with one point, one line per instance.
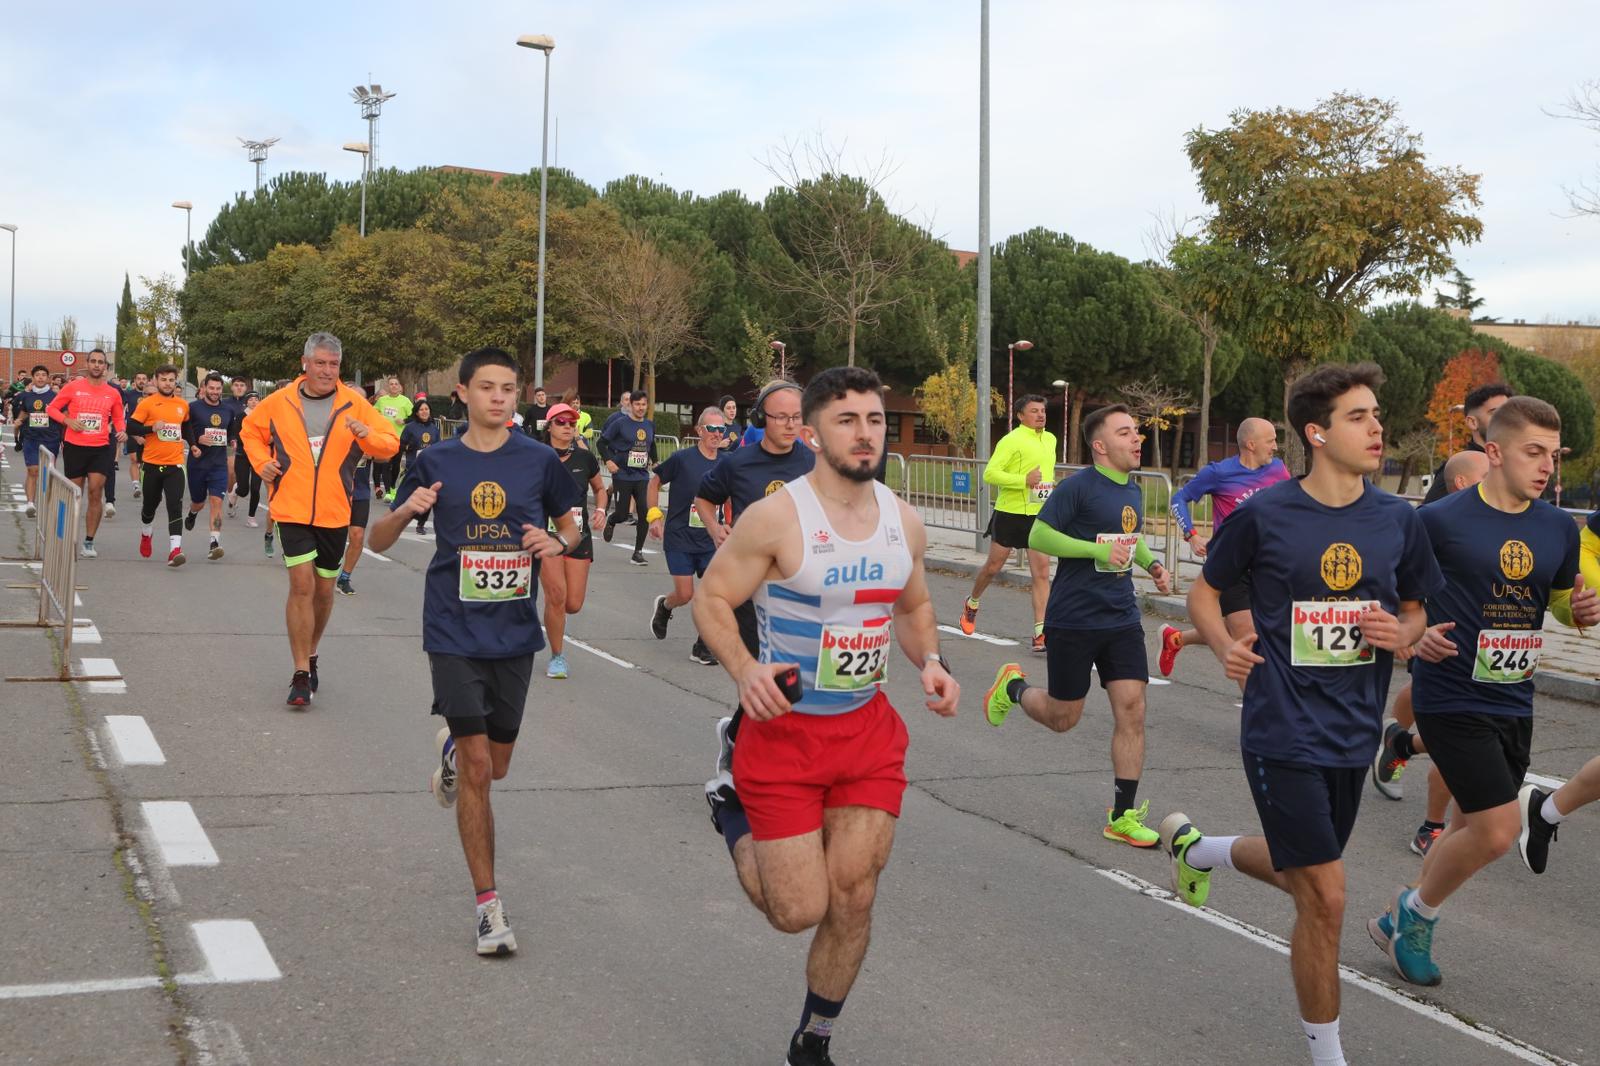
(1423, 910)
(1323, 1037)
(1211, 853)
(1549, 812)
(216, 538)
(145, 531)
(175, 541)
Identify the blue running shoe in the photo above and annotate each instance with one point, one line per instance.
(557, 668)
(1381, 930)
(1411, 949)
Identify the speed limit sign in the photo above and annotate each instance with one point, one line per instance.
(68, 358)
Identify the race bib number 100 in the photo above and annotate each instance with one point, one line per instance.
(495, 576)
(852, 658)
(1507, 656)
(1328, 633)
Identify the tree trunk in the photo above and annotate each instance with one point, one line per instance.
(1294, 449)
(1202, 454)
(852, 361)
(650, 389)
(1074, 430)
(1405, 475)
(1155, 451)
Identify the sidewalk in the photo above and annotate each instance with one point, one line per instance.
(1570, 668)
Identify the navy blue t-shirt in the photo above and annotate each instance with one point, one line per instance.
(207, 425)
(1499, 569)
(631, 445)
(750, 474)
(361, 481)
(1328, 560)
(485, 500)
(687, 468)
(1085, 595)
(27, 404)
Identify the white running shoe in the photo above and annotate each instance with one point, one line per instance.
(724, 748)
(137, 490)
(443, 783)
(32, 510)
(494, 929)
(88, 552)
(251, 522)
(110, 510)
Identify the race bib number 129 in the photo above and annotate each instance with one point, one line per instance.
(495, 576)
(1507, 656)
(1328, 633)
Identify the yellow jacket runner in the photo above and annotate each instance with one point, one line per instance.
(1017, 453)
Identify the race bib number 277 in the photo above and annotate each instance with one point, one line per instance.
(1328, 633)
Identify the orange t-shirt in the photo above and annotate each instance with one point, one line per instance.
(164, 448)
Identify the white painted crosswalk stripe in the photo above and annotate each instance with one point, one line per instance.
(103, 668)
(178, 834)
(134, 743)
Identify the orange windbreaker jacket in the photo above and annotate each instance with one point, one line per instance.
(314, 491)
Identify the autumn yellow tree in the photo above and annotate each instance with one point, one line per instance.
(1461, 375)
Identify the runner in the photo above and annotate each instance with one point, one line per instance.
(210, 429)
(628, 445)
(1505, 555)
(35, 430)
(396, 407)
(249, 482)
(834, 562)
(1023, 468)
(1338, 571)
(566, 580)
(91, 411)
(1091, 523)
(731, 428)
(1480, 406)
(1462, 470)
(360, 515)
(238, 462)
(130, 399)
(492, 491)
(420, 431)
(1229, 483)
(305, 440)
(537, 414)
(158, 423)
(685, 542)
(741, 479)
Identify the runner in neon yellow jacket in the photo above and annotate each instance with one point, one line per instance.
(1022, 467)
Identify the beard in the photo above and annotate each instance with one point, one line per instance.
(847, 466)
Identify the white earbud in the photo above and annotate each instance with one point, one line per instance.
(1320, 438)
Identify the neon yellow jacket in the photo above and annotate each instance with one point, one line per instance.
(1017, 453)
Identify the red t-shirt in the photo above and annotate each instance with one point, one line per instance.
(99, 407)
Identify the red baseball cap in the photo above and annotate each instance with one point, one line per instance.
(559, 410)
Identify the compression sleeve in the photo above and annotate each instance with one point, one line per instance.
(1561, 605)
(994, 471)
(1046, 538)
(1589, 558)
(1142, 555)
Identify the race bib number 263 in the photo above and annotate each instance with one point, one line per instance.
(1328, 633)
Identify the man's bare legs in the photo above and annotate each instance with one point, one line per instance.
(306, 612)
(95, 488)
(1039, 586)
(479, 761)
(682, 591)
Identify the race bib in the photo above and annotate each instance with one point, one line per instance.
(212, 437)
(695, 521)
(316, 448)
(91, 422)
(577, 516)
(1507, 656)
(1328, 633)
(852, 658)
(38, 420)
(169, 432)
(539, 424)
(1130, 539)
(495, 576)
(638, 459)
(1040, 493)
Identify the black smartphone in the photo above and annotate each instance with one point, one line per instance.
(789, 685)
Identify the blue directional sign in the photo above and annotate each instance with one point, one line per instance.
(961, 482)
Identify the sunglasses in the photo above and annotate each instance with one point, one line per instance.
(563, 421)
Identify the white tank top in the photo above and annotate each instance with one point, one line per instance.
(833, 617)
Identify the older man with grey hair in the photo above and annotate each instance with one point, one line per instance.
(687, 545)
(305, 440)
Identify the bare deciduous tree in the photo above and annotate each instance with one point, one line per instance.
(69, 333)
(1582, 106)
(1157, 406)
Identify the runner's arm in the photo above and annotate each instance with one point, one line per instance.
(381, 442)
(995, 472)
(918, 627)
(255, 436)
(739, 567)
(601, 498)
(1051, 541)
(1203, 482)
(58, 406)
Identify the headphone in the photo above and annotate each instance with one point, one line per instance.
(1320, 438)
(758, 412)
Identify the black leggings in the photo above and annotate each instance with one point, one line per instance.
(637, 493)
(163, 482)
(387, 473)
(250, 485)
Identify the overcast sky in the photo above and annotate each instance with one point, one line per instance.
(111, 112)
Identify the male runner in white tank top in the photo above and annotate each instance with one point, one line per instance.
(833, 561)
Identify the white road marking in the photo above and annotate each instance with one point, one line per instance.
(986, 638)
(135, 744)
(76, 988)
(1348, 974)
(375, 555)
(234, 953)
(178, 834)
(86, 632)
(103, 668)
(1546, 783)
(607, 656)
(629, 550)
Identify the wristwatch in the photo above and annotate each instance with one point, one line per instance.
(935, 657)
(559, 539)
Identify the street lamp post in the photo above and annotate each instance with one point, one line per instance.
(545, 44)
(984, 265)
(783, 358)
(1011, 378)
(364, 150)
(188, 215)
(1065, 407)
(1450, 421)
(11, 360)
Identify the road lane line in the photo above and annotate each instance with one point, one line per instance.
(607, 656)
(135, 744)
(86, 632)
(178, 834)
(77, 988)
(629, 549)
(986, 638)
(1348, 974)
(1549, 784)
(234, 953)
(103, 668)
(368, 551)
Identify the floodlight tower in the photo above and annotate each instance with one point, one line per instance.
(371, 98)
(258, 154)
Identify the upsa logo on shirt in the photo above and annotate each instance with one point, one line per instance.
(216, 420)
(1341, 567)
(638, 434)
(1516, 560)
(426, 438)
(772, 486)
(488, 500)
(1130, 519)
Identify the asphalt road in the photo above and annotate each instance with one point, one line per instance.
(335, 922)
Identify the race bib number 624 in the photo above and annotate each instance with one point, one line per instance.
(1328, 633)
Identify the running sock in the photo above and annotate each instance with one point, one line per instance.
(1413, 900)
(1549, 812)
(972, 601)
(819, 1015)
(1402, 745)
(1323, 1037)
(1437, 826)
(1038, 629)
(1211, 853)
(174, 541)
(88, 542)
(344, 575)
(1126, 790)
(1015, 688)
(735, 826)
(145, 531)
(485, 896)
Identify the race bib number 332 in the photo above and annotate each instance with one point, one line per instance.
(1328, 633)
(495, 576)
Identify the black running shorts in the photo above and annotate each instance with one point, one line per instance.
(1115, 654)
(360, 512)
(1482, 757)
(318, 545)
(1010, 530)
(481, 696)
(1307, 812)
(81, 460)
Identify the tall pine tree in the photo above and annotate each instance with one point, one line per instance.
(125, 314)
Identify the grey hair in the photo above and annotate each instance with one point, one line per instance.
(322, 341)
(709, 411)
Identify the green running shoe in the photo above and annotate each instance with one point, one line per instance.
(1177, 835)
(997, 703)
(1129, 827)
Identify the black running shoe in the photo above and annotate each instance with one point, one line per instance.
(702, 654)
(344, 587)
(608, 532)
(188, 519)
(638, 558)
(808, 1049)
(1534, 843)
(313, 673)
(300, 689)
(663, 615)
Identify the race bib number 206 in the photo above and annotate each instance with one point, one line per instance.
(495, 576)
(1328, 633)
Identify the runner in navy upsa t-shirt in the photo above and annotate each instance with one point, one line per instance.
(750, 474)
(486, 499)
(683, 531)
(1311, 568)
(1085, 594)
